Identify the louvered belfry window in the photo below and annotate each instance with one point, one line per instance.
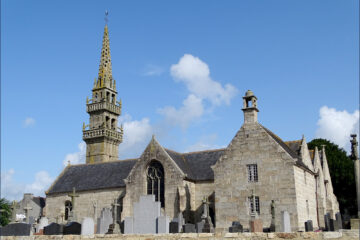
(252, 173)
(156, 181)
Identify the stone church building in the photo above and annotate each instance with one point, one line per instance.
(254, 170)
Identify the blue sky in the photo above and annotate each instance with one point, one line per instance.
(181, 68)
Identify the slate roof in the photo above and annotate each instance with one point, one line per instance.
(40, 201)
(93, 176)
(289, 150)
(197, 165)
(291, 147)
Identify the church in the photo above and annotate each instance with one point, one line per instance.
(256, 174)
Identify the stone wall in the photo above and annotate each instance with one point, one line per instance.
(84, 204)
(136, 182)
(305, 185)
(344, 235)
(253, 145)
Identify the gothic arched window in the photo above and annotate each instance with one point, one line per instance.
(68, 208)
(155, 181)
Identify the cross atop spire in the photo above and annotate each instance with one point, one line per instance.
(105, 70)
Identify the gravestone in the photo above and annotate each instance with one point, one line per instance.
(104, 221)
(236, 227)
(53, 229)
(162, 224)
(338, 220)
(146, 211)
(42, 223)
(199, 227)
(309, 226)
(179, 222)
(332, 225)
(16, 229)
(87, 227)
(189, 228)
(256, 225)
(72, 228)
(327, 222)
(129, 225)
(174, 227)
(285, 222)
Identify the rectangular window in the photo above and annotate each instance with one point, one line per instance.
(251, 204)
(252, 173)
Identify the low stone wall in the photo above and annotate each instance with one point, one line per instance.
(344, 234)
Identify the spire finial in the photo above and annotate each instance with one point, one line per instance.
(106, 17)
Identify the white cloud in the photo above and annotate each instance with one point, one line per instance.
(196, 76)
(12, 190)
(77, 157)
(29, 121)
(192, 109)
(137, 134)
(153, 70)
(337, 126)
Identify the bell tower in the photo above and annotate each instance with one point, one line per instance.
(250, 107)
(102, 135)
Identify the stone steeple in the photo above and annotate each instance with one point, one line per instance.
(102, 135)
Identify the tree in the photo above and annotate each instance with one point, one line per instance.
(5, 213)
(341, 169)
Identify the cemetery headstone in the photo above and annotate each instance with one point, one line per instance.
(327, 222)
(309, 226)
(72, 228)
(114, 228)
(256, 225)
(189, 228)
(285, 222)
(146, 211)
(104, 221)
(42, 223)
(338, 221)
(16, 229)
(162, 224)
(87, 227)
(236, 227)
(53, 229)
(174, 227)
(332, 224)
(200, 226)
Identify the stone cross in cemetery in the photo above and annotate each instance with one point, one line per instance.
(355, 157)
(114, 227)
(94, 203)
(272, 210)
(27, 208)
(207, 224)
(73, 195)
(13, 212)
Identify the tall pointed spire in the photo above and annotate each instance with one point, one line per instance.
(105, 70)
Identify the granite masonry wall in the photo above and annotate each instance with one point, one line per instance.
(84, 204)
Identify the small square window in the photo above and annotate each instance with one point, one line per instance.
(252, 173)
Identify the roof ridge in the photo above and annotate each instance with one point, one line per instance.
(209, 150)
(200, 151)
(293, 141)
(114, 161)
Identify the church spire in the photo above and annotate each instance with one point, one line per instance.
(105, 70)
